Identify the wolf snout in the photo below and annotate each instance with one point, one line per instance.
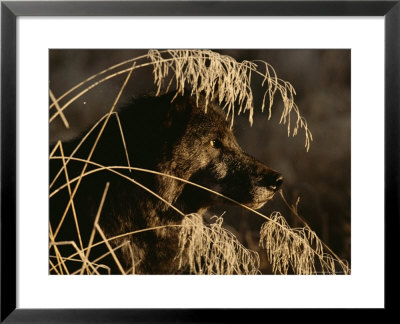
(272, 181)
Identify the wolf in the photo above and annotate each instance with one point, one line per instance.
(143, 153)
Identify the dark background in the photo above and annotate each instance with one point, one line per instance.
(320, 177)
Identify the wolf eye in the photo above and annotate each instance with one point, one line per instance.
(215, 143)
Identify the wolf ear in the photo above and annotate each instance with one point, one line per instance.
(178, 112)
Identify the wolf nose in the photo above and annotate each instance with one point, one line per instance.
(275, 182)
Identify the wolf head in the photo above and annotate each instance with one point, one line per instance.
(206, 152)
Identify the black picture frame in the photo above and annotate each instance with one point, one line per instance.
(10, 10)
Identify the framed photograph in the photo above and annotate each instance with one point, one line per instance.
(168, 161)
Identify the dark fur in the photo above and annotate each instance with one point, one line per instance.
(170, 137)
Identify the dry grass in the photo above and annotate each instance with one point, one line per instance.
(206, 73)
(222, 78)
(203, 249)
(297, 249)
(212, 249)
